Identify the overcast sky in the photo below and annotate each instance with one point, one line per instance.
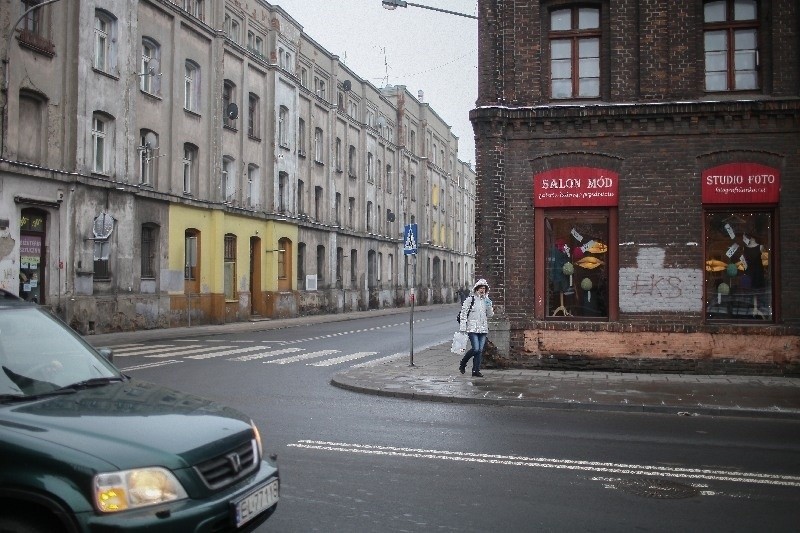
(425, 50)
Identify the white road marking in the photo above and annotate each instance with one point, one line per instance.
(343, 359)
(399, 355)
(191, 350)
(150, 365)
(301, 357)
(262, 355)
(132, 349)
(225, 352)
(562, 464)
(161, 350)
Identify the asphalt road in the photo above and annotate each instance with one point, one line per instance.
(358, 463)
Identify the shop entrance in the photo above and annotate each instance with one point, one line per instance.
(32, 255)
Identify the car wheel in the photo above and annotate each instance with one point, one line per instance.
(18, 524)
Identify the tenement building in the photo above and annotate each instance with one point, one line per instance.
(201, 161)
(638, 183)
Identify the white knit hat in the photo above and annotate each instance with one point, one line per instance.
(480, 283)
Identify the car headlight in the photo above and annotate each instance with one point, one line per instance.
(258, 439)
(131, 489)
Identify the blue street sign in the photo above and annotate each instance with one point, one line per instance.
(410, 239)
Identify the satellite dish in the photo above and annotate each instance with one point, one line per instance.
(150, 140)
(346, 85)
(233, 111)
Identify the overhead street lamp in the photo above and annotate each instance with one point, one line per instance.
(394, 4)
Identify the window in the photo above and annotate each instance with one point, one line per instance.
(576, 263)
(32, 21)
(351, 162)
(337, 209)
(370, 169)
(283, 125)
(390, 274)
(191, 94)
(739, 250)
(730, 37)
(338, 155)
(353, 268)
(32, 138)
(319, 87)
(189, 167)
(231, 28)
(228, 179)
(389, 178)
(149, 75)
(253, 185)
(102, 228)
(318, 203)
(320, 263)
(304, 76)
(149, 249)
(413, 187)
(194, 8)
(318, 146)
(575, 53)
(228, 98)
(351, 210)
(283, 192)
(412, 141)
(301, 262)
(101, 152)
(191, 255)
(369, 216)
(300, 194)
(284, 267)
(105, 29)
(339, 266)
(253, 117)
(229, 271)
(301, 137)
(148, 157)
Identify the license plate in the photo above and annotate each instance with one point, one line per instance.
(256, 502)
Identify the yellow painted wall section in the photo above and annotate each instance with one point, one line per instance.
(213, 225)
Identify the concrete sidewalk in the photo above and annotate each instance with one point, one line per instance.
(435, 377)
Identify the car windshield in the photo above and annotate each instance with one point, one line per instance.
(40, 355)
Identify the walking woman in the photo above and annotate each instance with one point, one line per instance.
(475, 311)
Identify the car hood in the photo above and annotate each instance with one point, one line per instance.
(132, 424)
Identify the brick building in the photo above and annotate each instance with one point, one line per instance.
(638, 179)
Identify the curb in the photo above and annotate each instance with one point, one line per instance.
(341, 383)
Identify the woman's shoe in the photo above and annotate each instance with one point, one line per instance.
(462, 368)
(477, 374)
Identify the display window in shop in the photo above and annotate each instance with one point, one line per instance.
(576, 220)
(739, 230)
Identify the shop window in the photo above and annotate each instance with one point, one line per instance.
(739, 281)
(576, 260)
(191, 255)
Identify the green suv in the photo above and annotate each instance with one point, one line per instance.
(85, 448)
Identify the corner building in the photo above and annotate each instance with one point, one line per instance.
(638, 180)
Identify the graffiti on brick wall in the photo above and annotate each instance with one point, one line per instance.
(652, 287)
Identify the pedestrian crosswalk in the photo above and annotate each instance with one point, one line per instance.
(163, 354)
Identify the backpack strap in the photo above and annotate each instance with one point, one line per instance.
(470, 307)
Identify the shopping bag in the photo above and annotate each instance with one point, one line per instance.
(459, 343)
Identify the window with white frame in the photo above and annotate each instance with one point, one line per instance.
(149, 72)
(148, 156)
(194, 8)
(191, 95)
(575, 52)
(228, 179)
(101, 143)
(253, 185)
(189, 167)
(318, 145)
(105, 29)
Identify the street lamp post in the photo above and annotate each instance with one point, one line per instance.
(394, 4)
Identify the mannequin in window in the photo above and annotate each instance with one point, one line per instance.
(752, 255)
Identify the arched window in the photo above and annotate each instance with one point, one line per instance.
(150, 67)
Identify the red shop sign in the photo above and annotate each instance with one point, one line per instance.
(576, 187)
(741, 183)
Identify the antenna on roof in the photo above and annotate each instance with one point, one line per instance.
(386, 66)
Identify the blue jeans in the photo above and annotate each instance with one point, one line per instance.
(478, 342)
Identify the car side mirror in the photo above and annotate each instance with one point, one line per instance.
(108, 353)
